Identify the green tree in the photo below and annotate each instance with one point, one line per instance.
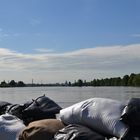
(66, 83)
(69, 83)
(130, 81)
(20, 84)
(79, 83)
(107, 82)
(12, 83)
(97, 82)
(3, 84)
(136, 80)
(125, 80)
(117, 81)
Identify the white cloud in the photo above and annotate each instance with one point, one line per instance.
(135, 35)
(4, 34)
(84, 63)
(43, 50)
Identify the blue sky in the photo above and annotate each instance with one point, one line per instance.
(58, 40)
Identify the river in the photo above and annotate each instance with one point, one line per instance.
(66, 96)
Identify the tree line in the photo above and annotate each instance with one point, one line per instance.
(126, 80)
(12, 83)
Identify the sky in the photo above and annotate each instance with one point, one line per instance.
(57, 40)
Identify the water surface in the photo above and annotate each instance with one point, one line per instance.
(66, 96)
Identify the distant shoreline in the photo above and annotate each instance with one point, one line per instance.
(132, 80)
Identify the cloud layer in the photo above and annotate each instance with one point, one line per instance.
(84, 63)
